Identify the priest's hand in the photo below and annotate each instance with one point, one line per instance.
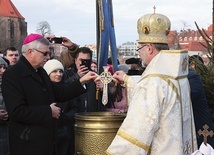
(119, 75)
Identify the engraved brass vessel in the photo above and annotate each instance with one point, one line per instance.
(94, 131)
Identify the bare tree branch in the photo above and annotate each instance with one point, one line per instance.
(43, 28)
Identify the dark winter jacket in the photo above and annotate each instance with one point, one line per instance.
(201, 110)
(86, 102)
(4, 139)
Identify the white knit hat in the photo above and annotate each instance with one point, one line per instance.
(52, 65)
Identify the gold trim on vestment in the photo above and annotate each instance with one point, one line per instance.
(133, 140)
(164, 76)
(167, 79)
(181, 107)
(108, 153)
(173, 51)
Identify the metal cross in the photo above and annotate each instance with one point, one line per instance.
(105, 77)
(205, 133)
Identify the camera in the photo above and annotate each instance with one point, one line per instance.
(86, 63)
(55, 40)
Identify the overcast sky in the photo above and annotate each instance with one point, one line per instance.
(76, 19)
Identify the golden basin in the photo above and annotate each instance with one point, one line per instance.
(94, 131)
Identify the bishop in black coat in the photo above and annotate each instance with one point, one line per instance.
(28, 95)
(30, 99)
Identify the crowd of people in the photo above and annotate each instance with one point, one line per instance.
(40, 93)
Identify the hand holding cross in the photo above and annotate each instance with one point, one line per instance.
(105, 77)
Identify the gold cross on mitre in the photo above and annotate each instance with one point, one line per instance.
(154, 8)
(205, 133)
(105, 77)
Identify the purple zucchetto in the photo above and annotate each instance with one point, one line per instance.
(31, 38)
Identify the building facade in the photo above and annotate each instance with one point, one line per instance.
(13, 28)
(128, 49)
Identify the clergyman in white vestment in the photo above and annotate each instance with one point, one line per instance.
(159, 120)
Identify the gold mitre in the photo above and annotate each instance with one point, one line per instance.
(153, 28)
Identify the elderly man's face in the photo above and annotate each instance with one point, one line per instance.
(142, 49)
(40, 56)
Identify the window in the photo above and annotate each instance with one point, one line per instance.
(200, 38)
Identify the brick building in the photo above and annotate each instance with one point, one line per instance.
(190, 40)
(13, 28)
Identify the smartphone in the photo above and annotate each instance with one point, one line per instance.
(87, 63)
(55, 40)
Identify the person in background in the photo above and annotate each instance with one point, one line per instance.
(55, 69)
(159, 119)
(194, 61)
(67, 59)
(123, 67)
(30, 98)
(7, 61)
(12, 54)
(136, 67)
(94, 66)
(4, 139)
(86, 102)
(109, 61)
(66, 44)
(117, 95)
(201, 111)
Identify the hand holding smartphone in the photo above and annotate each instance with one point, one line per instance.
(86, 63)
(55, 40)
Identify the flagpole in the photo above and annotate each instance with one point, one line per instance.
(97, 29)
(98, 40)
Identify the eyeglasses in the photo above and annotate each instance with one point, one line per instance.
(138, 50)
(44, 53)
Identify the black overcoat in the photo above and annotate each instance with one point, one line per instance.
(28, 94)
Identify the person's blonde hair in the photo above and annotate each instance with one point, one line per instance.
(67, 58)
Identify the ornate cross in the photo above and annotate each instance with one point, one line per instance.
(105, 77)
(205, 133)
